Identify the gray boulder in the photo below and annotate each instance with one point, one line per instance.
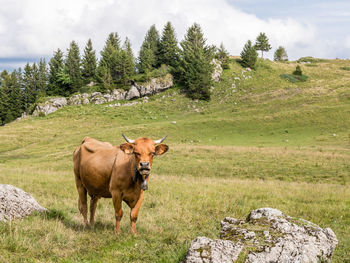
(267, 235)
(97, 98)
(155, 85)
(15, 203)
(205, 250)
(118, 94)
(133, 93)
(75, 100)
(50, 106)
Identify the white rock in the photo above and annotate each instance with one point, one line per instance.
(133, 93)
(286, 240)
(15, 203)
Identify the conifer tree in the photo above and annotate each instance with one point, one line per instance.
(126, 63)
(149, 52)
(29, 91)
(13, 90)
(168, 49)
(3, 106)
(262, 43)
(195, 64)
(56, 65)
(249, 55)
(89, 63)
(114, 40)
(72, 66)
(108, 61)
(42, 77)
(280, 54)
(222, 55)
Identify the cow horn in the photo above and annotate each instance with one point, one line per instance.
(128, 140)
(161, 140)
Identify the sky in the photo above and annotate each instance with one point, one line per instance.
(33, 29)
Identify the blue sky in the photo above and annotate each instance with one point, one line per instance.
(33, 29)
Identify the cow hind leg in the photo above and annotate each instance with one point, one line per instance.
(82, 200)
(93, 205)
(82, 203)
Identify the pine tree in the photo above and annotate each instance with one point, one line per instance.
(262, 43)
(89, 63)
(195, 64)
(56, 65)
(108, 61)
(280, 54)
(29, 91)
(222, 55)
(249, 55)
(149, 52)
(42, 77)
(126, 63)
(3, 106)
(114, 40)
(168, 49)
(72, 66)
(13, 89)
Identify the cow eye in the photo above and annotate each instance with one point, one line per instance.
(137, 154)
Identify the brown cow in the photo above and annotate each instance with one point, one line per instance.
(117, 172)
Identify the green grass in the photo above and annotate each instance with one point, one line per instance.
(294, 78)
(263, 142)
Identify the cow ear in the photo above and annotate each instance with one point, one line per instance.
(127, 148)
(161, 148)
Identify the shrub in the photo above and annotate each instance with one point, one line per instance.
(298, 71)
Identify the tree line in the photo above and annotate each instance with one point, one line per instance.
(190, 62)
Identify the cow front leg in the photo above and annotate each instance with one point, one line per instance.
(134, 213)
(93, 205)
(117, 202)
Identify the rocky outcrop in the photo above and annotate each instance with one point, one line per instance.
(152, 87)
(217, 70)
(50, 106)
(15, 203)
(267, 235)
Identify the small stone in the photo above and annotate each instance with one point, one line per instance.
(173, 122)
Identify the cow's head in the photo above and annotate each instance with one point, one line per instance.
(144, 149)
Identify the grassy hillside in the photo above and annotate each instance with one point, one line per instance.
(261, 141)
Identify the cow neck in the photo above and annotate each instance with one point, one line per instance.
(136, 174)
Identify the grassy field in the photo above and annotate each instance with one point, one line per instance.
(261, 141)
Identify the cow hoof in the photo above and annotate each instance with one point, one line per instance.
(133, 232)
(117, 232)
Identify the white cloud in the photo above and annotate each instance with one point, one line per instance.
(35, 28)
